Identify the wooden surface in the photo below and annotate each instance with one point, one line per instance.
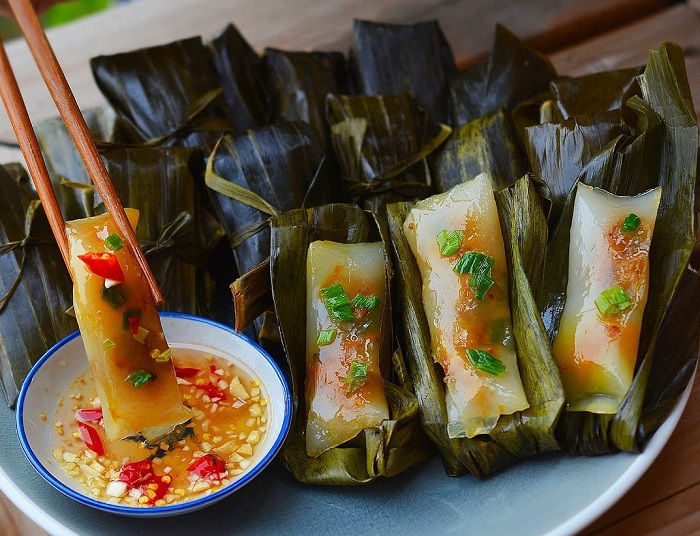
(583, 36)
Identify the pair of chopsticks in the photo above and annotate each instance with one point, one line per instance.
(75, 123)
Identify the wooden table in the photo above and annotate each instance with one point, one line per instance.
(582, 36)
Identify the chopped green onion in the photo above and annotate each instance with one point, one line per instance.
(114, 242)
(326, 336)
(612, 301)
(366, 302)
(114, 297)
(449, 242)
(141, 335)
(140, 378)
(478, 266)
(161, 357)
(631, 223)
(337, 303)
(485, 362)
(356, 378)
(108, 344)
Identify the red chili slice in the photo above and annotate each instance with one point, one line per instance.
(141, 475)
(209, 466)
(186, 372)
(134, 322)
(91, 438)
(104, 265)
(88, 415)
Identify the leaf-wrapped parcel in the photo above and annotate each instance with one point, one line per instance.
(524, 433)
(384, 450)
(35, 288)
(661, 150)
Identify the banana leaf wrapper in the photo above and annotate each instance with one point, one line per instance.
(242, 75)
(300, 82)
(389, 59)
(513, 73)
(595, 93)
(557, 152)
(35, 287)
(257, 175)
(175, 230)
(516, 436)
(385, 450)
(661, 152)
(167, 95)
(381, 144)
(487, 144)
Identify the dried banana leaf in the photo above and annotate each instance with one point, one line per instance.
(169, 93)
(381, 143)
(524, 433)
(242, 76)
(388, 59)
(35, 288)
(175, 231)
(595, 93)
(396, 444)
(256, 175)
(664, 153)
(487, 144)
(514, 72)
(557, 152)
(300, 82)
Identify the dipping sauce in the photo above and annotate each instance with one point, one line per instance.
(196, 459)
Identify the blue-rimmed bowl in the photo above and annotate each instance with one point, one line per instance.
(50, 378)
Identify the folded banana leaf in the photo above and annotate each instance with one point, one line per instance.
(396, 444)
(595, 93)
(242, 76)
(487, 144)
(300, 82)
(524, 433)
(168, 94)
(663, 152)
(381, 143)
(388, 59)
(557, 152)
(256, 175)
(35, 288)
(513, 73)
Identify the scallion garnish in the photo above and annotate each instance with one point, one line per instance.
(478, 266)
(108, 344)
(356, 378)
(485, 362)
(366, 302)
(140, 378)
(114, 242)
(449, 242)
(326, 336)
(612, 301)
(631, 223)
(337, 303)
(141, 334)
(114, 297)
(161, 357)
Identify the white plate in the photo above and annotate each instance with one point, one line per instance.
(555, 495)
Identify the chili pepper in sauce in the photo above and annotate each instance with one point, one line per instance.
(88, 415)
(209, 466)
(142, 476)
(186, 372)
(103, 265)
(91, 438)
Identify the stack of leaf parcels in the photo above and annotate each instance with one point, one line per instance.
(272, 152)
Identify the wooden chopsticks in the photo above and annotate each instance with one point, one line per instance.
(75, 123)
